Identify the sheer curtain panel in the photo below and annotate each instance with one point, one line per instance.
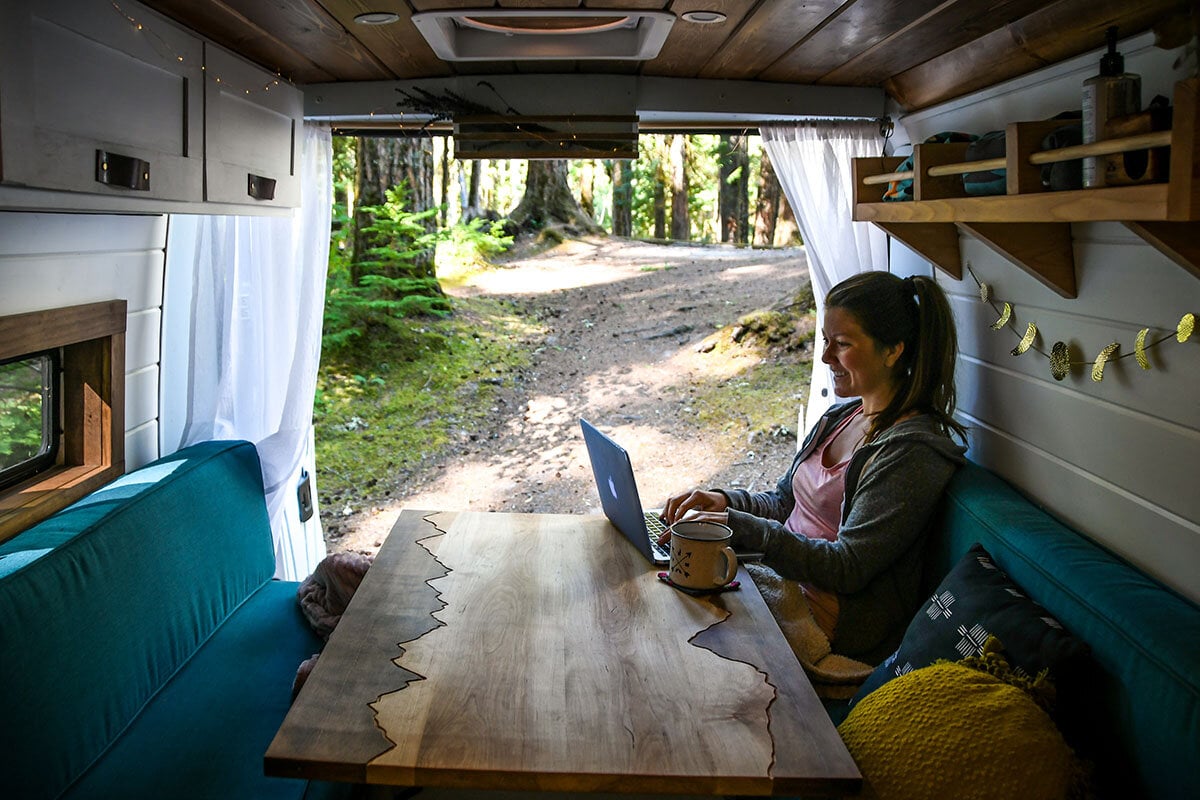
(252, 290)
(813, 161)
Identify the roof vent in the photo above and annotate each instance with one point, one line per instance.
(499, 34)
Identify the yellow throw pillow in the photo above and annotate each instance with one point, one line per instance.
(952, 731)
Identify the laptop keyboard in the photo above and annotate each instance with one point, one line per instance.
(656, 528)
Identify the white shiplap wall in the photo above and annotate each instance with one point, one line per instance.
(53, 260)
(1116, 459)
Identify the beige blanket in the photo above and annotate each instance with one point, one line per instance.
(832, 675)
(323, 597)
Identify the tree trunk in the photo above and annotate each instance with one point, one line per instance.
(787, 230)
(444, 205)
(477, 173)
(766, 211)
(548, 201)
(733, 193)
(681, 223)
(622, 191)
(385, 163)
(587, 188)
(660, 207)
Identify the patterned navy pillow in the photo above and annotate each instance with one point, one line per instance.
(976, 600)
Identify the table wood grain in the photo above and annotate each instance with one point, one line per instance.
(540, 652)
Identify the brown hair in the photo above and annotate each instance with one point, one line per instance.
(914, 311)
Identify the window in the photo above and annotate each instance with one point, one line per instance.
(29, 423)
(62, 410)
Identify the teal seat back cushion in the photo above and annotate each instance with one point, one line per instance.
(112, 595)
(1134, 711)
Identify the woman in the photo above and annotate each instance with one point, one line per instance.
(848, 520)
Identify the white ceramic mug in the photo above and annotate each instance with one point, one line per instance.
(701, 557)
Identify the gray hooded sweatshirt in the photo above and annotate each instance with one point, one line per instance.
(893, 486)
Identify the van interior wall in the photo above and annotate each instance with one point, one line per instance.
(55, 260)
(1115, 458)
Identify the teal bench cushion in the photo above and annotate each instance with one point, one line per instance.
(1136, 711)
(204, 735)
(107, 599)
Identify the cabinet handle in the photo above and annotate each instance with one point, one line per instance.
(260, 187)
(123, 172)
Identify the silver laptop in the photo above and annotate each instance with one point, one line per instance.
(613, 472)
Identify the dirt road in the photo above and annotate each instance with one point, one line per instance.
(627, 324)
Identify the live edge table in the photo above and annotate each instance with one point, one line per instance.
(541, 652)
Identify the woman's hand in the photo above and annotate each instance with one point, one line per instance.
(695, 500)
(695, 505)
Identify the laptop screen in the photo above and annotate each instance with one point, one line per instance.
(613, 472)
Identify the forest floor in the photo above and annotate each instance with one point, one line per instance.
(695, 358)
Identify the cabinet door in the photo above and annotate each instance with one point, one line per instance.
(252, 127)
(101, 99)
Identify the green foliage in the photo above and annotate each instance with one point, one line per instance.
(402, 399)
(20, 412)
(471, 245)
(762, 400)
(388, 289)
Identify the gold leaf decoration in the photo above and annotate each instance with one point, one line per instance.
(1060, 361)
(1139, 349)
(1186, 326)
(1005, 316)
(1102, 359)
(1026, 340)
(1060, 355)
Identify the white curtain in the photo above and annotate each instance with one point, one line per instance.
(257, 296)
(813, 162)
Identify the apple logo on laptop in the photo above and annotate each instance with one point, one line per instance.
(612, 488)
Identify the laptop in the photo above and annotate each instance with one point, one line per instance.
(613, 472)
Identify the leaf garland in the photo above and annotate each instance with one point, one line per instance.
(1059, 355)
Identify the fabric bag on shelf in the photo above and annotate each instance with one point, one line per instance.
(989, 181)
(903, 190)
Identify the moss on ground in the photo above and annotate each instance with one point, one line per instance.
(764, 397)
(404, 401)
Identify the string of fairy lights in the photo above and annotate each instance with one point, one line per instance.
(439, 107)
(168, 53)
(1059, 353)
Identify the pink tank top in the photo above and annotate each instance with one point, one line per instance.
(819, 491)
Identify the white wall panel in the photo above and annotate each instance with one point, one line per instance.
(141, 445)
(1092, 436)
(27, 233)
(38, 282)
(141, 397)
(1161, 544)
(1115, 459)
(54, 260)
(142, 335)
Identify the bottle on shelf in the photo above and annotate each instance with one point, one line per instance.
(1112, 93)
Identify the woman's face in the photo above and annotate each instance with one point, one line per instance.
(861, 366)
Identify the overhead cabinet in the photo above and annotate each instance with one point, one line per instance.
(252, 127)
(113, 99)
(91, 103)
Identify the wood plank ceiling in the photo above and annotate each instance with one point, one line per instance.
(921, 52)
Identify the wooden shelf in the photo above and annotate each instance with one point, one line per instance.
(1030, 225)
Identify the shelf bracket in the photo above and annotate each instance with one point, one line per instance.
(1178, 241)
(1043, 249)
(936, 241)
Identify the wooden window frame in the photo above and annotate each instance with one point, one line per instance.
(91, 447)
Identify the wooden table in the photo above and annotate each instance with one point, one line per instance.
(540, 652)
